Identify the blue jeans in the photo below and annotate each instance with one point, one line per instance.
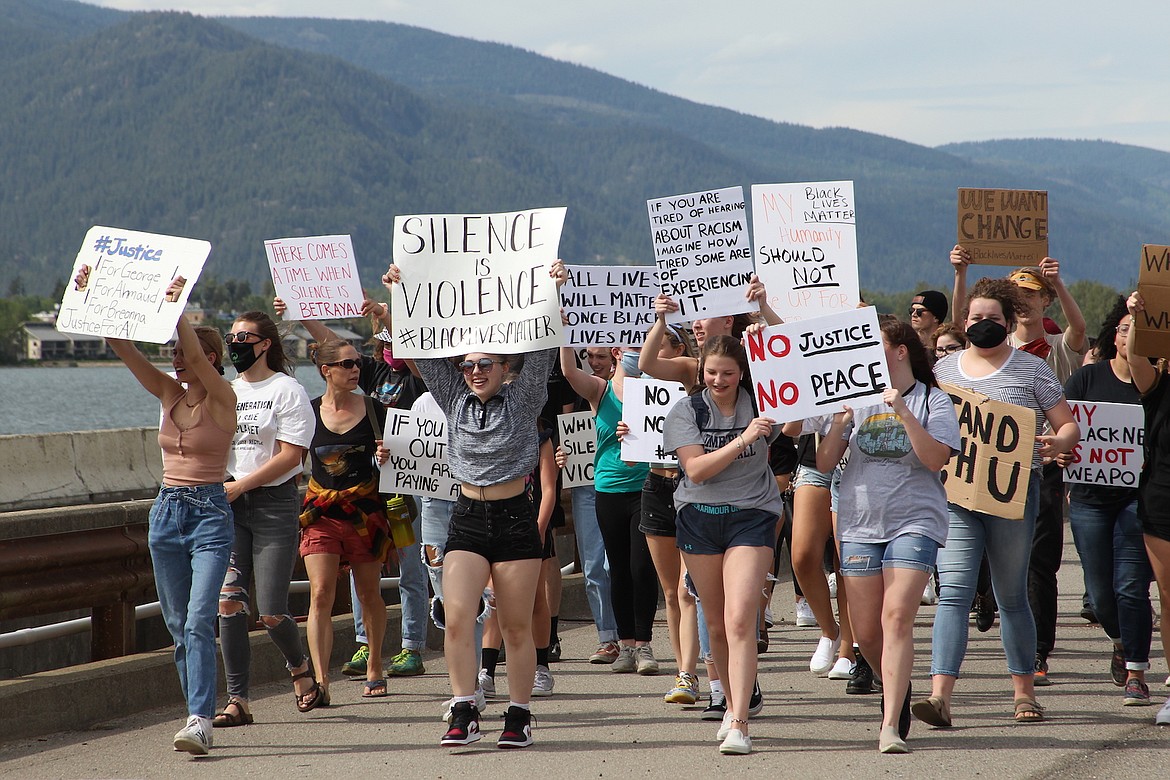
(412, 595)
(190, 539)
(435, 516)
(1117, 574)
(1009, 546)
(908, 551)
(594, 564)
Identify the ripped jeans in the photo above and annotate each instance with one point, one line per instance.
(436, 522)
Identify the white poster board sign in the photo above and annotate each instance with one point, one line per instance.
(579, 442)
(608, 305)
(1110, 452)
(118, 285)
(805, 239)
(644, 409)
(702, 252)
(418, 456)
(476, 282)
(316, 277)
(818, 366)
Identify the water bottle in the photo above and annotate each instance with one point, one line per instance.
(401, 527)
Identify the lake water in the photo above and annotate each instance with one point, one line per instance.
(88, 398)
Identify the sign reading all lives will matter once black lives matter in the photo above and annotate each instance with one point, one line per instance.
(805, 237)
(118, 286)
(608, 305)
(316, 277)
(476, 282)
(1152, 324)
(813, 367)
(418, 456)
(1110, 452)
(702, 252)
(579, 443)
(1004, 227)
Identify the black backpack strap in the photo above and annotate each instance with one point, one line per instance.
(702, 413)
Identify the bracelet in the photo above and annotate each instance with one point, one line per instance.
(739, 444)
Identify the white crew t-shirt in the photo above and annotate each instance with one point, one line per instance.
(275, 409)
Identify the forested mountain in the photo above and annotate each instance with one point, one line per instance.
(239, 130)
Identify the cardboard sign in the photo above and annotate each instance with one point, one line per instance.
(476, 282)
(608, 305)
(579, 442)
(818, 366)
(316, 277)
(644, 409)
(991, 472)
(118, 286)
(805, 237)
(1153, 323)
(418, 456)
(1110, 451)
(702, 252)
(1004, 227)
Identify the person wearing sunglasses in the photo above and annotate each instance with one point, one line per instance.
(928, 310)
(273, 432)
(492, 446)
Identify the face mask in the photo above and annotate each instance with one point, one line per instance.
(987, 334)
(397, 365)
(630, 364)
(243, 356)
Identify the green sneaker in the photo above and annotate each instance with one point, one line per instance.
(356, 666)
(408, 663)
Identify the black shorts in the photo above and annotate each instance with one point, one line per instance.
(657, 518)
(550, 544)
(503, 530)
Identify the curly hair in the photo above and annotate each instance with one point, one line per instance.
(1106, 345)
(1005, 292)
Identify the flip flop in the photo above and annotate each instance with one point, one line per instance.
(933, 711)
(375, 689)
(237, 717)
(312, 698)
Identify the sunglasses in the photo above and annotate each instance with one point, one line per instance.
(917, 311)
(242, 337)
(940, 351)
(347, 364)
(483, 364)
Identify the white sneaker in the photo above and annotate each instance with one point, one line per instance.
(449, 705)
(833, 585)
(625, 662)
(724, 727)
(487, 684)
(195, 737)
(842, 670)
(1163, 716)
(542, 682)
(736, 744)
(804, 614)
(822, 660)
(647, 663)
(930, 595)
(769, 621)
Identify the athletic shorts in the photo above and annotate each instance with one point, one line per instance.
(712, 530)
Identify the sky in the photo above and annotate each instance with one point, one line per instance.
(926, 72)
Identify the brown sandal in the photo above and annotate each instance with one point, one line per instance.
(312, 698)
(1028, 710)
(227, 719)
(933, 711)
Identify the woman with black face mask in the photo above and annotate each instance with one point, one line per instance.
(992, 367)
(274, 425)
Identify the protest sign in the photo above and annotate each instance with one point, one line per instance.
(990, 474)
(1110, 451)
(1004, 227)
(702, 252)
(818, 366)
(1152, 338)
(476, 282)
(805, 238)
(316, 277)
(418, 456)
(119, 284)
(579, 443)
(608, 305)
(644, 408)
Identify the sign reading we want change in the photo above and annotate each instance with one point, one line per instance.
(644, 408)
(1153, 323)
(1004, 227)
(990, 474)
(805, 237)
(608, 305)
(702, 252)
(818, 366)
(476, 282)
(119, 284)
(418, 456)
(316, 277)
(1110, 451)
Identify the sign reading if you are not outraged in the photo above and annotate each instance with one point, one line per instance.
(418, 456)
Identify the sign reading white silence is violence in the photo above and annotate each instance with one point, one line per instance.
(608, 305)
(316, 277)
(818, 366)
(579, 443)
(476, 282)
(119, 284)
(1110, 452)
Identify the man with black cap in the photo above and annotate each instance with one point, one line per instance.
(928, 309)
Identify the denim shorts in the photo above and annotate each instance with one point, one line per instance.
(712, 530)
(807, 475)
(658, 517)
(909, 551)
(503, 530)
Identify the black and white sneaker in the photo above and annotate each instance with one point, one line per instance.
(717, 708)
(517, 731)
(756, 702)
(464, 726)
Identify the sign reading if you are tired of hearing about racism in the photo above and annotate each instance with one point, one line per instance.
(644, 408)
(316, 277)
(818, 366)
(579, 443)
(418, 456)
(476, 282)
(130, 285)
(608, 305)
(991, 472)
(1003, 227)
(1152, 338)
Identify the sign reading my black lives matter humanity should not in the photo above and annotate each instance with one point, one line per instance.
(118, 287)
(476, 282)
(418, 456)
(818, 366)
(990, 474)
(316, 277)
(608, 305)
(702, 252)
(1152, 338)
(1004, 227)
(579, 443)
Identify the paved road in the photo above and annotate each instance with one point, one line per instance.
(599, 724)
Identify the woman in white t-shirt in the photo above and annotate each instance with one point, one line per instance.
(892, 512)
(274, 425)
